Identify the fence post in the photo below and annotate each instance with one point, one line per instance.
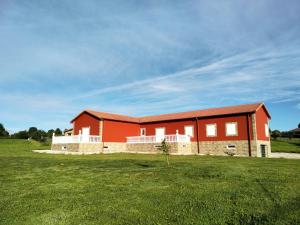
(79, 137)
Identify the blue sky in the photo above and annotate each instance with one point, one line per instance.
(146, 57)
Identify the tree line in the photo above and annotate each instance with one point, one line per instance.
(285, 134)
(31, 133)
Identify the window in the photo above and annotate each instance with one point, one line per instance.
(211, 130)
(267, 130)
(231, 129)
(143, 131)
(189, 130)
(231, 146)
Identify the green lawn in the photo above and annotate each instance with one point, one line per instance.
(140, 189)
(286, 145)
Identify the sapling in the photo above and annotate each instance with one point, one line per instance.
(165, 148)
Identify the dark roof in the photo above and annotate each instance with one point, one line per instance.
(295, 130)
(229, 110)
(66, 130)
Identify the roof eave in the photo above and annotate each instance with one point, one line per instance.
(265, 108)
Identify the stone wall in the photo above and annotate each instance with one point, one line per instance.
(91, 147)
(220, 147)
(268, 148)
(114, 147)
(194, 147)
(176, 148)
(256, 144)
(79, 147)
(184, 149)
(206, 148)
(65, 147)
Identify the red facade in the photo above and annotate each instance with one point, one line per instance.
(261, 120)
(242, 131)
(86, 120)
(170, 127)
(117, 131)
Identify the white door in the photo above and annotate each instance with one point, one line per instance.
(159, 134)
(85, 134)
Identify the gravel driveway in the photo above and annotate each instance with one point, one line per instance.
(285, 155)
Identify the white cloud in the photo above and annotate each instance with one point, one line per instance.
(252, 76)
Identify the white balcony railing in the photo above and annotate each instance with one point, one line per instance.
(76, 139)
(158, 139)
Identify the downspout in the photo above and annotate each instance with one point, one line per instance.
(197, 133)
(248, 134)
(102, 134)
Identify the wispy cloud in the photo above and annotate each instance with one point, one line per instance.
(252, 76)
(144, 57)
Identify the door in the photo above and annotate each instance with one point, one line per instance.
(263, 150)
(85, 134)
(159, 134)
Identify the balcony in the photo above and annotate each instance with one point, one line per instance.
(158, 139)
(76, 139)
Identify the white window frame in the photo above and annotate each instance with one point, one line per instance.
(141, 131)
(211, 124)
(192, 130)
(267, 133)
(236, 129)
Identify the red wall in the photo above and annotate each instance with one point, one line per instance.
(170, 127)
(116, 131)
(86, 120)
(261, 120)
(221, 128)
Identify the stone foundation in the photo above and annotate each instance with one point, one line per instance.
(268, 148)
(205, 147)
(176, 148)
(220, 147)
(114, 147)
(79, 147)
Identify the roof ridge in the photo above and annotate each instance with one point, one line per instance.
(197, 110)
(117, 114)
(226, 110)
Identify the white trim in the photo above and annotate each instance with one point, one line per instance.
(76, 139)
(211, 124)
(153, 139)
(267, 132)
(236, 129)
(192, 126)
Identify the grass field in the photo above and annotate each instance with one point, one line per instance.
(286, 145)
(140, 189)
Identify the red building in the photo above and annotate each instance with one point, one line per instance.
(236, 130)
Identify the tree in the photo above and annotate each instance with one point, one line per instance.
(21, 134)
(39, 135)
(298, 125)
(275, 134)
(3, 131)
(32, 131)
(58, 131)
(165, 148)
(50, 133)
